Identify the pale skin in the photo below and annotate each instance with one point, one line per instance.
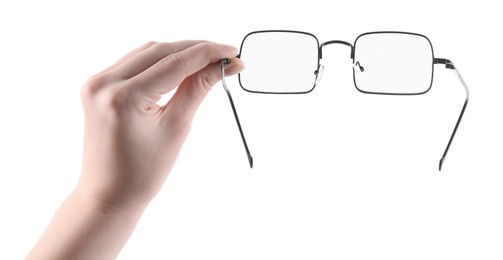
(131, 143)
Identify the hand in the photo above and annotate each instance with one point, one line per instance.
(131, 143)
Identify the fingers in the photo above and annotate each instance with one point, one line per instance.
(144, 59)
(140, 78)
(137, 61)
(194, 89)
(129, 55)
(171, 70)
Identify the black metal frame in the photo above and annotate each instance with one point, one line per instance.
(274, 31)
(389, 93)
(448, 65)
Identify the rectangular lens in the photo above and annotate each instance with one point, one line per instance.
(393, 63)
(279, 62)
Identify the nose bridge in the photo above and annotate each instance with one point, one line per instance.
(336, 42)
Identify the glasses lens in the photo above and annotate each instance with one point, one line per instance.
(279, 62)
(393, 63)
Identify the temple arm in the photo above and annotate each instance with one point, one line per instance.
(450, 65)
(222, 65)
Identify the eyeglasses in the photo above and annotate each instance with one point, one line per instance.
(385, 63)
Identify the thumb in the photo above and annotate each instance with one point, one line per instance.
(192, 91)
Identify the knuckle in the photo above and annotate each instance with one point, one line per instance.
(174, 62)
(207, 48)
(92, 86)
(158, 46)
(180, 61)
(99, 94)
(118, 103)
(151, 43)
(119, 98)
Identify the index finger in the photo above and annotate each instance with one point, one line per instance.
(149, 56)
(170, 71)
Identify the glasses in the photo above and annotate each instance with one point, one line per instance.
(384, 63)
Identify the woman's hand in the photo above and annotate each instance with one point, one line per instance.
(131, 143)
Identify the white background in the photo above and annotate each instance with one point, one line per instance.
(338, 174)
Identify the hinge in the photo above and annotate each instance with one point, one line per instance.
(447, 62)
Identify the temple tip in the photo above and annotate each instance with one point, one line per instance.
(250, 160)
(440, 164)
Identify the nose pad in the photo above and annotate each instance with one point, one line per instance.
(319, 74)
(360, 67)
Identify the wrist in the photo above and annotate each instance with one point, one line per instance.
(110, 198)
(87, 226)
